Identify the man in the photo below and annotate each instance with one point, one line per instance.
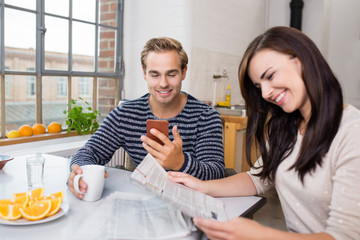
(194, 144)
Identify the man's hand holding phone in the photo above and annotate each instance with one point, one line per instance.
(160, 125)
(157, 143)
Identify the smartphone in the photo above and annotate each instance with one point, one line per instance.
(160, 125)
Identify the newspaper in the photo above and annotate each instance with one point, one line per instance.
(193, 203)
(124, 215)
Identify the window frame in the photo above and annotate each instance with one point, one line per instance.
(40, 70)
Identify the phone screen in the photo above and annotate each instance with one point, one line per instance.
(160, 125)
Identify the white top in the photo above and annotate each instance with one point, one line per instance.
(329, 200)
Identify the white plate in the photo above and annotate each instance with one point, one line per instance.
(22, 221)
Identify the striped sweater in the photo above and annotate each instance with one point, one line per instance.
(199, 126)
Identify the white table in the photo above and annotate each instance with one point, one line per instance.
(13, 180)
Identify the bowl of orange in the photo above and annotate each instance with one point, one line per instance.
(4, 159)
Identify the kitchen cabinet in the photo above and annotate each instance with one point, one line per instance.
(232, 125)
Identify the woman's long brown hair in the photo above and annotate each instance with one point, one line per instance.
(275, 131)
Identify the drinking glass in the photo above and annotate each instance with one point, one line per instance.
(35, 171)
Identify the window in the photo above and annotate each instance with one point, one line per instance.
(84, 87)
(31, 84)
(59, 52)
(7, 86)
(62, 89)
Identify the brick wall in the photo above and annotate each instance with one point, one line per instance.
(107, 94)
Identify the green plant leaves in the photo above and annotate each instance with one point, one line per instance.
(83, 122)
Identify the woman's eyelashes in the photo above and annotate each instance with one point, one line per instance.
(270, 76)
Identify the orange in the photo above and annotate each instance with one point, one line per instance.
(36, 194)
(54, 127)
(55, 206)
(19, 195)
(37, 210)
(38, 129)
(55, 195)
(6, 201)
(25, 131)
(11, 211)
(32, 205)
(22, 198)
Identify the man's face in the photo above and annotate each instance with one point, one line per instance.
(164, 76)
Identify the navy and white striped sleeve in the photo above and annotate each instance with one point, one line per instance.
(102, 144)
(206, 160)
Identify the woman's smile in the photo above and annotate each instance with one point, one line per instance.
(281, 97)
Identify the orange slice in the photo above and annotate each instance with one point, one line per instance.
(55, 206)
(37, 210)
(19, 195)
(10, 211)
(56, 195)
(38, 199)
(21, 198)
(6, 201)
(36, 194)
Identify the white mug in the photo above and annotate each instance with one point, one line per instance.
(94, 177)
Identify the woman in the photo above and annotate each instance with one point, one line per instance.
(308, 140)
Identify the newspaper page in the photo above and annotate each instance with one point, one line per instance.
(124, 215)
(193, 203)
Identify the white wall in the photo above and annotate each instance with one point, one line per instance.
(145, 19)
(334, 26)
(221, 31)
(215, 34)
(344, 47)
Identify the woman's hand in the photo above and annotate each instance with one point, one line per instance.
(236, 228)
(246, 229)
(188, 180)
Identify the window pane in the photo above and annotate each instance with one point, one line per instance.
(62, 87)
(7, 84)
(20, 109)
(0, 105)
(29, 4)
(83, 47)
(56, 43)
(85, 87)
(31, 87)
(57, 7)
(79, 13)
(54, 104)
(20, 43)
(108, 12)
(107, 50)
(82, 87)
(78, 84)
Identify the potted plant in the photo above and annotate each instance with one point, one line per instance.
(81, 119)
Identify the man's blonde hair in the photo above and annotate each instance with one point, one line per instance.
(163, 44)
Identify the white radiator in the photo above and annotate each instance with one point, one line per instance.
(117, 160)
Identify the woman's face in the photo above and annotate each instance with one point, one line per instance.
(279, 76)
